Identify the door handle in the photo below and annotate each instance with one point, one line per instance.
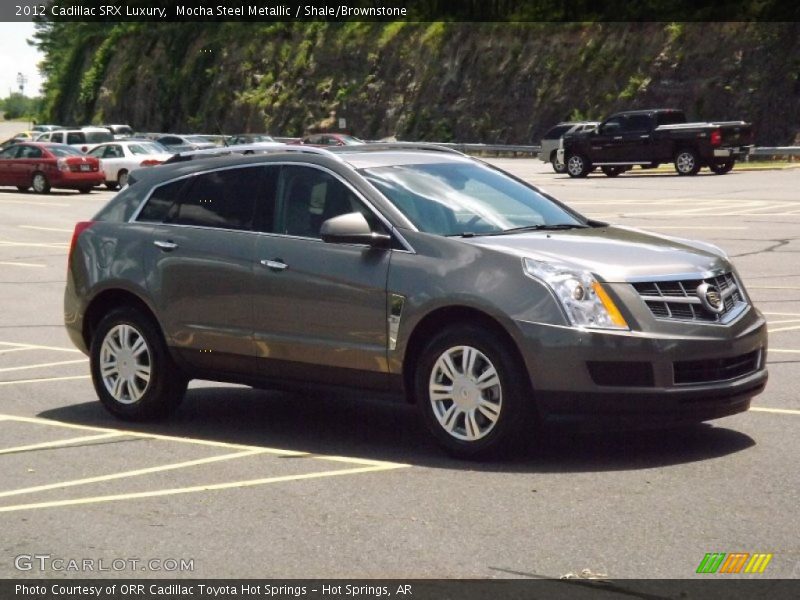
(165, 246)
(645, 136)
(275, 265)
(617, 137)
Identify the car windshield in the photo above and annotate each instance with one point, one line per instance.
(147, 148)
(62, 150)
(349, 140)
(196, 139)
(98, 137)
(466, 199)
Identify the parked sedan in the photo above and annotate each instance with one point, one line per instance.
(43, 166)
(182, 143)
(251, 138)
(120, 158)
(551, 139)
(482, 299)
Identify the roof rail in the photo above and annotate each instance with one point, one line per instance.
(261, 148)
(377, 146)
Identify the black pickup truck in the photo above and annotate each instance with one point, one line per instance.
(648, 138)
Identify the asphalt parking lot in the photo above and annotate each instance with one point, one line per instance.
(247, 483)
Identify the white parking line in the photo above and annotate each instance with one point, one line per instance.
(37, 347)
(45, 228)
(31, 244)
(782, 351)
(43, 380)
(780, 411)
(37, 366)
(21, 264)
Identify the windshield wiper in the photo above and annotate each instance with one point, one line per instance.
(539, 227)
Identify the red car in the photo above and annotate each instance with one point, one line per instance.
(42, 166)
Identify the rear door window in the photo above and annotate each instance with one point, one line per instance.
(224, 199)
(76, 137)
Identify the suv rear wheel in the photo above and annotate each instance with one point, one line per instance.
(578, 166)
(471, 393)
(133, 374)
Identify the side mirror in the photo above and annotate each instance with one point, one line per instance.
(352, 228)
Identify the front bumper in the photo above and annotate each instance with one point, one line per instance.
(560, 363)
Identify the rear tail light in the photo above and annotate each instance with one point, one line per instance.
(80, 227)
(63, 165)
(716, 137)
(149, 162)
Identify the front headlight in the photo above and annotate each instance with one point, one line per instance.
(583, 298)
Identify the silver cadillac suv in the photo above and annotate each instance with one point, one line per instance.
(483, 300)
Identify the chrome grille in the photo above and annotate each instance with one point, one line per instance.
(679, 300)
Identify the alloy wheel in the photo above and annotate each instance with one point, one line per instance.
(125, 364)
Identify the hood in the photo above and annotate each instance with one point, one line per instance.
(614, 254)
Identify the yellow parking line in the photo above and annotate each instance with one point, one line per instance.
(199, 488)
(134, 473)
(782, 321)
(202, 442)
(773, 287)
(37, 347)
(43, 380)
(785, 351)
(22, 264)
(7, 350)
(51, 364)
(4, 201)
(57, 229)
(793, 328)
(155, 436)
(780, 411)
(57, 443)
(781, 314)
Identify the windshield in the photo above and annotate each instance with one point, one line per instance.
(147, 148)
(465, 198)
(62, 150)
(98, 137)
(349, 140)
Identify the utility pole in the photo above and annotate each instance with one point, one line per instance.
(21, 81)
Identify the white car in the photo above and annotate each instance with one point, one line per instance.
(82, 139)
(121, 157)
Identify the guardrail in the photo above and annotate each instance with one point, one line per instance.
(776, 151)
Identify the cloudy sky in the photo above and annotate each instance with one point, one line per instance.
(16, 56)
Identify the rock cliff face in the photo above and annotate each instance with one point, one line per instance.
(501, 83)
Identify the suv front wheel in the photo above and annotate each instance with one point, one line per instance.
(578, 165)
(133, 374)
(471, 393)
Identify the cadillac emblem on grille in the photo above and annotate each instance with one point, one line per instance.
(710, 298)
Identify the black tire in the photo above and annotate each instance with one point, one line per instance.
(558, 167)
(122, 178)
(23, 188)
(84, 190)
(578, 165)
(112, 185)
(514, 413)
(40, 183)
(161, 394)
(613, 171)
(720, 168)
(687, 162)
